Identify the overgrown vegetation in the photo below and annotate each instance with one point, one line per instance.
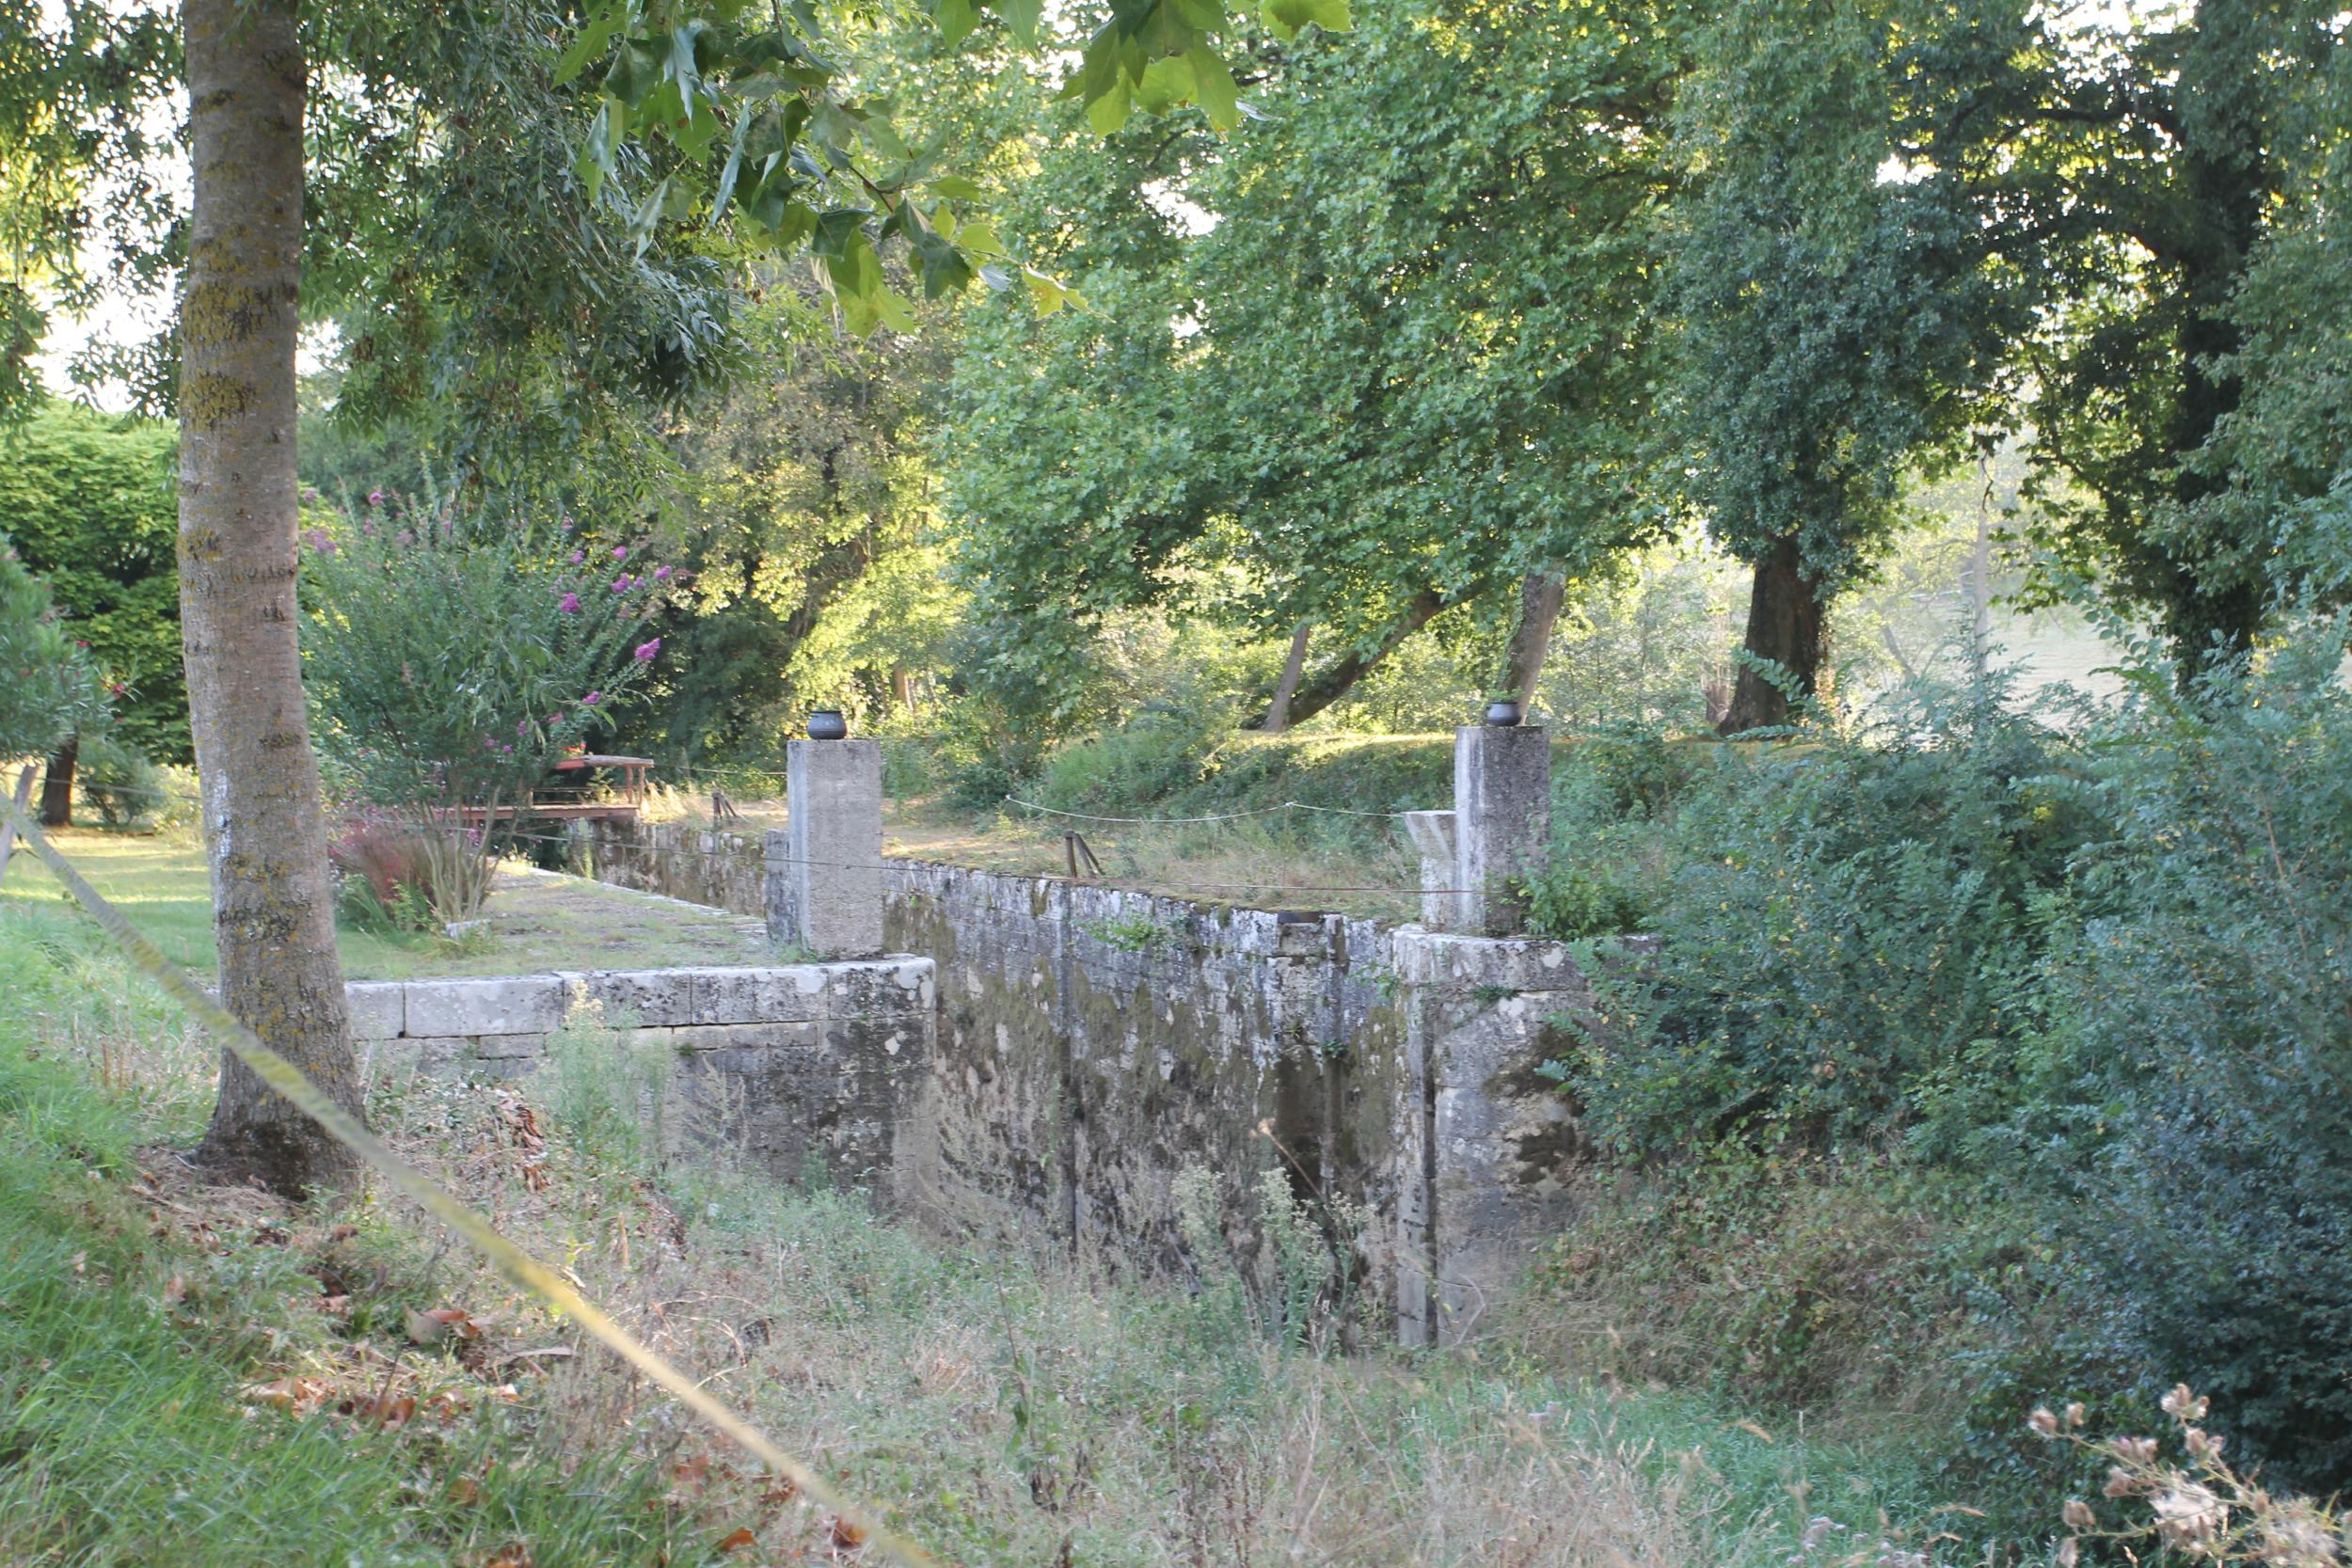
(211, 1373)
(1983, 1059)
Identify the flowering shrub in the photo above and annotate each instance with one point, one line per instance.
(2191, 1503)
(453, 662)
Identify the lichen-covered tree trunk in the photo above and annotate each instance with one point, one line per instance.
(1785, 619)
(264, 831)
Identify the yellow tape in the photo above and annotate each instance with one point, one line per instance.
(518, 1265)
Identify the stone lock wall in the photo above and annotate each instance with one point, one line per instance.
(796, 1065)
(1095, 1043)
(701, 865)
(1090, 1044)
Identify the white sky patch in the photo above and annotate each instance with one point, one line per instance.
(1178, 208)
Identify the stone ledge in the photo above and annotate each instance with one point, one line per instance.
(506, 1005)
(1424, 957)
(534, 1005)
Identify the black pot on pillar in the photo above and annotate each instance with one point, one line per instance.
(826, 723)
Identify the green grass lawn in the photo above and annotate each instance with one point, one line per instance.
(537, 921)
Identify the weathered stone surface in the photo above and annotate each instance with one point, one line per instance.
(509, 1047)
(806, 1035)
(674, 859)
(1501, 1147)
(1091, 1044)
(825, 877)
(510, 1005)
(655, 998)
(1433, 836)
(1502, 822)
(378, 1010)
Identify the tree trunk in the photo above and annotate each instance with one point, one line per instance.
(264, 831)
(56, 785)
(1785, 624)
(1540, 595)
(1980, 577)
(902, 687)
(1278, 713)
(2226, 174)
(1313, 696)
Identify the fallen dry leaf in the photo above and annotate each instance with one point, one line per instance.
(297, 1396)
(740, 1539)
(390, 1410)
(516, 1556)
(465, 1492)
(335, 1306)
(343, 1234)
(441, 1322)
(846, 1535)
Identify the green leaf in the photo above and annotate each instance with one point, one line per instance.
(957, 187)
(1022, 16)
(596, 154)
(636, 73)
(1219, 96)
(956, 20)
(1048, 293)
(1109, 111)
(841, 230)
(1165, 84)
(1287, 17)
(591, 40)
(732, 170)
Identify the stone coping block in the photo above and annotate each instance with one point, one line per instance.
(1519, 963)
(378, 1007)
(536, 1005)
(506, 1005)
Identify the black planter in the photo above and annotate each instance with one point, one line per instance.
(826, 723)
(1502, 715)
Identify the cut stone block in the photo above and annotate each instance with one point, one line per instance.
(655, 998)
(1432, 833)
(824, 867)
(510, 1005)
(1502, 822)
(377, 1009)
(507, 1046)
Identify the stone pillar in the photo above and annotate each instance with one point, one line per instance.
(1502, 822)
(824, 866)
(1433, 835)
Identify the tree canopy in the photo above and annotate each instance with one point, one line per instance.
(1391, 345)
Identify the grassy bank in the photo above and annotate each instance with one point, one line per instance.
(204, 1376)
(537, 922)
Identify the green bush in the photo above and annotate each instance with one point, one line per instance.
(1598, 887)
(121, 783)
(2198, 1060)
(2095, 976)
(1850, 928)
(49, 687)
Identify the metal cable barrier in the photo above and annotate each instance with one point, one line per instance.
(512, 1261)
